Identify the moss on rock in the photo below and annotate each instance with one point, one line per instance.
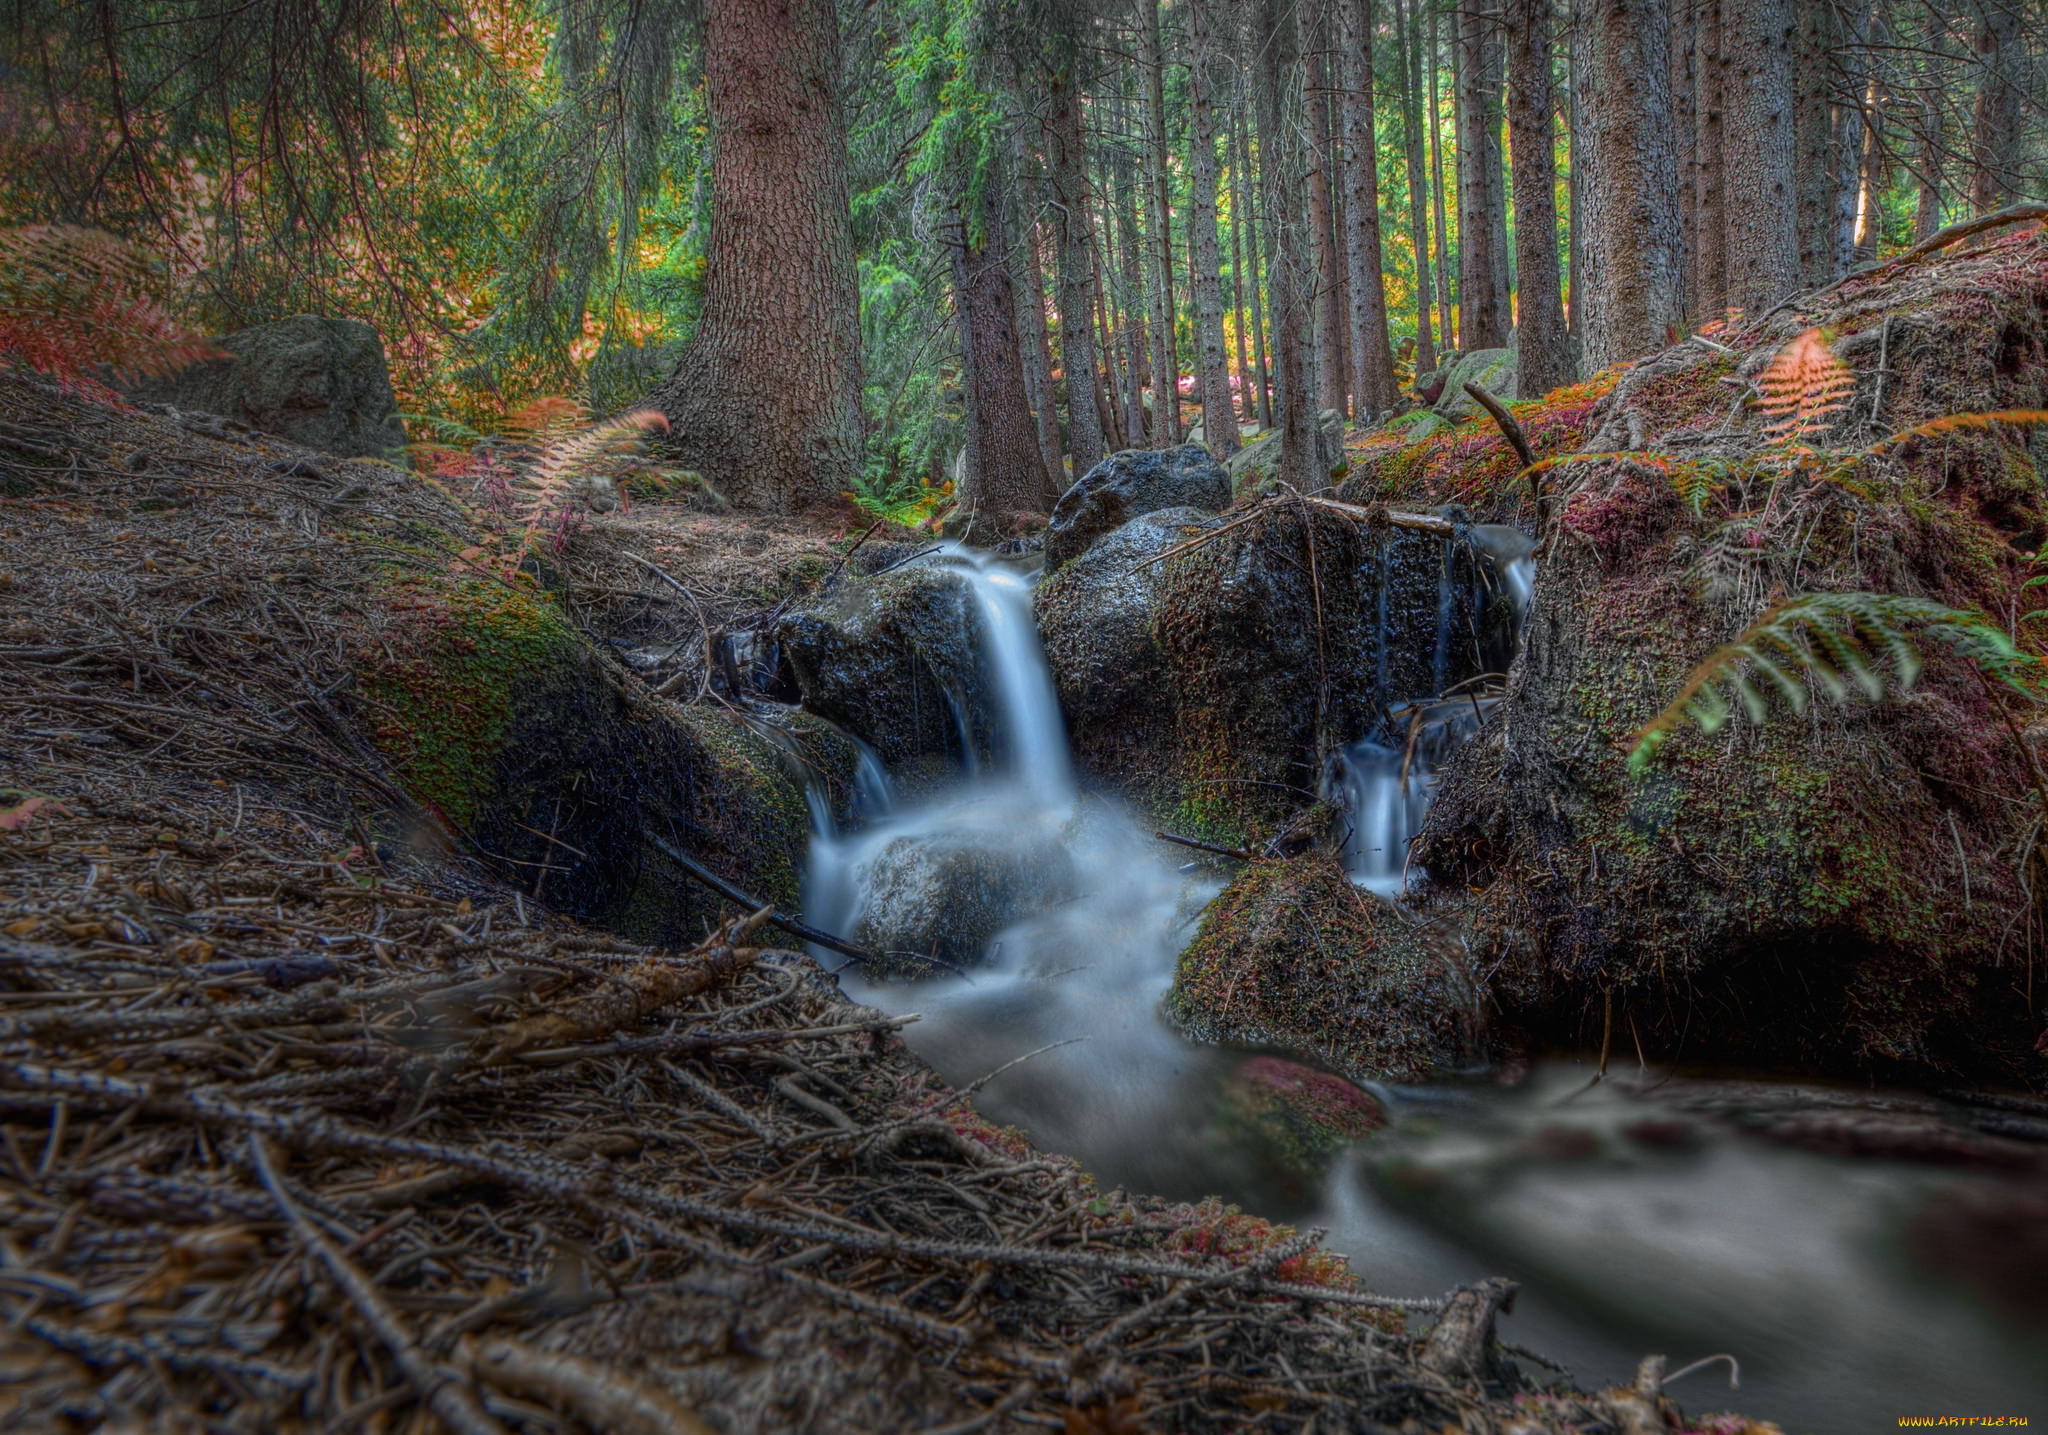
(1293, 955)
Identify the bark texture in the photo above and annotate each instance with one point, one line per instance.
(1276, 40)
(1482, 263)
(1757, 146)
(1219, 416)
(1372, 353)
(1159, 237)
(1994, 148)
(1709, 291)
(1069, 170)
(1004, 475)
(1418, 198)
(1630, 295)
(766, 400)
(1544, 359)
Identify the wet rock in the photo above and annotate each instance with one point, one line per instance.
(1492, 369)
(893, 659)
(1206, 686)
(1293, 955)
(320, 382)
(843, 784)
(1127, 485)
(945, 891)
(1291, 1119)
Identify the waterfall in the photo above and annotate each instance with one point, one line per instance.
(1029, 725)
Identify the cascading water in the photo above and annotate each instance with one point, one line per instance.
(1075, 918)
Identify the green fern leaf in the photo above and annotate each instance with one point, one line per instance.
(1833, 644)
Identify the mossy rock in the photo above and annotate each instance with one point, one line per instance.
(499, 721)
(1290, 1120)
(1205, 685)
(1293, 955)
(1836, 891)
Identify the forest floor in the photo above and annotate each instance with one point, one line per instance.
(304, 1130)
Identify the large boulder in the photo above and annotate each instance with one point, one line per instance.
(1847, 889)
(893, 659)
(318, 382)
(1293, 955)
(1259, 460)
(1492, 369)
(1207, 685)
(1127, 485)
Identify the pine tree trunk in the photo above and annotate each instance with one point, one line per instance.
(1005, 476)
(1994, 145)
(1410, 40)
(1482, 320)
(1630, 295)
(1069, 170)
(1132, 289)
(1761, 209)
(766, 402)
(1710, 238)
(1372, 351)
(1331, 322)
(1159, 206)
(1446, 295)
(1939, 70)
(1543, 357)
(1219, 417)
(1246, 384)
(1814, 170)
(1846, 145)
(1685, 96)
(1256, 274)
(1038, 365)
(1280, 174)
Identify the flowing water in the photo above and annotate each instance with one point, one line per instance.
(1687, 1244)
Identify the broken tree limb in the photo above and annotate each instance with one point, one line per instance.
(726, 889)
(1460, 1344)
(1201, 846)
(1518, 441)
(1941, 239)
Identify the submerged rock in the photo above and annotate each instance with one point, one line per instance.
(1290, 1119)
(1293, 955)
(946, 890)
(320, 382)
(1127, 485)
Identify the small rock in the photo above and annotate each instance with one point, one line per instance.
(1127, 485)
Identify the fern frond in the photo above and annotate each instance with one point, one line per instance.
(1957, 423)
(563, 461)
(1831, 643)
(1805, 387)
(76, 302)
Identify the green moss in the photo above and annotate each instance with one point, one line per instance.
(444, 675)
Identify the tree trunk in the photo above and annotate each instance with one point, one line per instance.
(1543, 358)
(1757, 146)
(1038, 366)
(766, 402)
(1849, 132)
(1410, 40)
(1005, 476)
(1710, 237)
(1630, 296)
(1280, 176)
(1813, 160)
(1255, 275)
(1132, 292)
(1246, 386)
(1219, 418)
(1685, 98)
(1069, 170)
(1994, 146)
(1331, 320)
(1372, 351)
(1446, 294)
(1939, 71)
(1482, 316)
(1159, 204)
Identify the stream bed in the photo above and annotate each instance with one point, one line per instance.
(1633, 1225)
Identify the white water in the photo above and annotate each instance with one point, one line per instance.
(1792, 1262)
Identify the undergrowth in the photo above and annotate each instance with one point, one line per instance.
(82, 306)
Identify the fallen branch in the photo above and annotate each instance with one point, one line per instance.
(1201, 846)
(604, 1397)
(1518, 441)
(726, 889)
(1941, 239)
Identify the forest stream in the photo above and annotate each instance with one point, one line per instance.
(1631, 1223)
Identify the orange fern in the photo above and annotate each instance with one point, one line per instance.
(1956, 423)
(1805, 387)
(78, 303)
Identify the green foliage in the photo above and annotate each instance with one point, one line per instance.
(1838, 645)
